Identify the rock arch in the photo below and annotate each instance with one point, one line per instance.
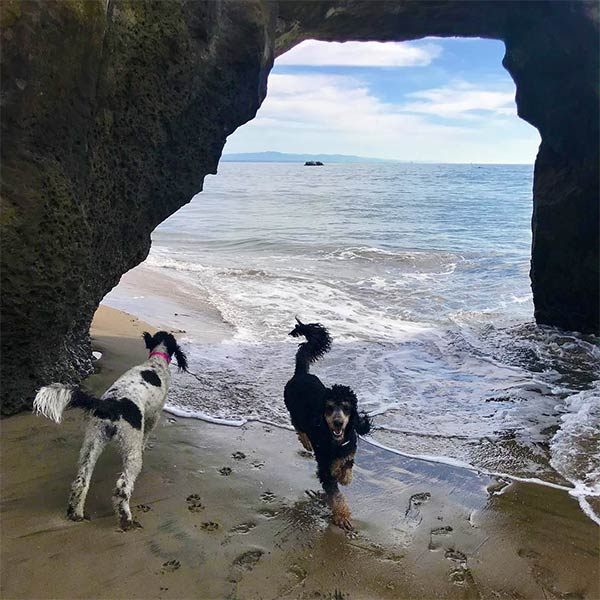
(113, 111)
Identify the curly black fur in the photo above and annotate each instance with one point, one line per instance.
(304, 394)
(306, 398)
(318, 342)
(163, 337)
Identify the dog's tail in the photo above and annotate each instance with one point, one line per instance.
(318, 342)
(52, 400)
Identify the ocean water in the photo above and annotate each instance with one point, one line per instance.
(420, 272)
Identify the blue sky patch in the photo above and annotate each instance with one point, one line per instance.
(436, 99)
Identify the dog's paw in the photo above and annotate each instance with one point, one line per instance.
(345, 477)
(77, 517)
(129, 524)
(343, 522)
(341, 512)
(305, 441)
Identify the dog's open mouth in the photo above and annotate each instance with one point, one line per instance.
(338, 434)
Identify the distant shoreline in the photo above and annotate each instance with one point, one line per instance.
(285, 158)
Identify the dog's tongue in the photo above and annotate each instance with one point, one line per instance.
(337, 432)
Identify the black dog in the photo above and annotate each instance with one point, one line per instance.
(326, 419)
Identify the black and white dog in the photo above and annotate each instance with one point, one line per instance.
(126, 413)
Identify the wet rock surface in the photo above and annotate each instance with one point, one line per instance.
(114, 111)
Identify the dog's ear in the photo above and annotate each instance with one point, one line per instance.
(174, 350)
(362, 422)
(181, 359)
(148, 340)
(299, 321)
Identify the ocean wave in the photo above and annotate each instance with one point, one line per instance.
(423, 392)
(165, 261)
(266, 303)
(575, 447)
(426, 293)
(440, 263)
(437, 459)
(506, 385)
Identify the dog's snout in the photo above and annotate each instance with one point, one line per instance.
(338, 423)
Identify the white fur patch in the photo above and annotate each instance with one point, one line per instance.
(52, 400)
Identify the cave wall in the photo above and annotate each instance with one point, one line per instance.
(112, 114)
(113, 111)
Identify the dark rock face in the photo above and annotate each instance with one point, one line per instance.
(113, 111)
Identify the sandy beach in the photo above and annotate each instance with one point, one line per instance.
(225, 515)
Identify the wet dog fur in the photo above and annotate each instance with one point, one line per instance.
(326, 420)
(126, 414)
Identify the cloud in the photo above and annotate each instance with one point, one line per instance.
(360, 54)
(461, 99)
(323, 113)
(339, 102)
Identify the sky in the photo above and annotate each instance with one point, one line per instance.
(435, 99)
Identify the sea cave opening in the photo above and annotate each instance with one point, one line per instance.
(384, 190)
(411, 242)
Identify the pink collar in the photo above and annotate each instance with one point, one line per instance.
(165, 356)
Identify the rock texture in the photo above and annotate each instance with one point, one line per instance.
(113, 111)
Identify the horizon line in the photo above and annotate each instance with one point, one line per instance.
(316, 155)
(388, 160)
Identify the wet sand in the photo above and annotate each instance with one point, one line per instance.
(225, 515)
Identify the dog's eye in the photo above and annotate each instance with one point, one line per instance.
(329, 409)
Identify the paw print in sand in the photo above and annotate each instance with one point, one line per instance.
(209, 526)
(194, 504)
(268, 497)
(170, 566)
